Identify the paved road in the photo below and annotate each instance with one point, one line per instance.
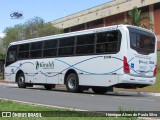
(85, 101)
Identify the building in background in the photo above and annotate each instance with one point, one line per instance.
(111, 13)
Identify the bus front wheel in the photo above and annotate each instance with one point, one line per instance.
(21, 81)
(72, 83)
(100, 90)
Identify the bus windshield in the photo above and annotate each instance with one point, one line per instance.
(142, 42)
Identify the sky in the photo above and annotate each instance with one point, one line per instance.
(48, 10)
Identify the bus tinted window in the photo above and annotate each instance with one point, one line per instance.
(107, 37)
(86, 49)
(49, 52)
(85, 44)
(24, 47)
(108, 42)
(66, 42)
(23, 51)
(66, 51)
(36, 50)
(23, 55)
(107, 48)
(36, 54)
(145, 42)
(66, 46)
(50, 48)
(142, 42)
(85, 39)
(50, 44)
(36, 45)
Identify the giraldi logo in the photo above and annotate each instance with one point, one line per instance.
(45, 65)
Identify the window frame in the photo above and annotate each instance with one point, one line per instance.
(75, 45)
(66, 46)
(36, 50)
(27, 51)
(86, 44)
(55, 47)
(141, 33)
(119, 39)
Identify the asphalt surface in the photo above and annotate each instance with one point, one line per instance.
(112, 101)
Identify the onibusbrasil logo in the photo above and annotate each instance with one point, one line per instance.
(45, 65)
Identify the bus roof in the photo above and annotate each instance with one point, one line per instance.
(95, 30)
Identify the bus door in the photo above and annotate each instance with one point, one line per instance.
(10, 59)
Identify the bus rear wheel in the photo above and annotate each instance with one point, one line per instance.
(99, 90)
(72, 83)
(21, 81)
(49, 87)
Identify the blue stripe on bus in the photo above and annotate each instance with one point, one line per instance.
(70, 66)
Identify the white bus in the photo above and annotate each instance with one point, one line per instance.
(120, 56)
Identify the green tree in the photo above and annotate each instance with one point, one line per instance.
(137, 18)
(35, 27)
(2, 54)
(32, 26)
(13, 34)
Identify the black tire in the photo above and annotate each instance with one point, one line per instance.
(21, 81)
(49, 87)
(72, 83)
(99, 90)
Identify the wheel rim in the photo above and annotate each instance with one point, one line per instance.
(72, 82)
(21, 80)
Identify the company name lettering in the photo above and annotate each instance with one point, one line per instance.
(44, 65)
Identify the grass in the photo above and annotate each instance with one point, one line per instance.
(15, 107)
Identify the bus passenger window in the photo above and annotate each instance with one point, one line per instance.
(85, 44)
(101, 48)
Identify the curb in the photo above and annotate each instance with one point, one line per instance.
(137, 93)
(154, 94)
